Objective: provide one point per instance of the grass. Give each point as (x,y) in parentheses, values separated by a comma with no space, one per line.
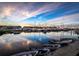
(5,31)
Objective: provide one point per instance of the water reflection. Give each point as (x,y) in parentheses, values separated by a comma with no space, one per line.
(16,41)
(36,36)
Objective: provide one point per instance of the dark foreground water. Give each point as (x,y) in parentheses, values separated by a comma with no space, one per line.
(12,43)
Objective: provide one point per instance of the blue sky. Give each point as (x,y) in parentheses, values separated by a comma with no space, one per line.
(63,10)
(32,13)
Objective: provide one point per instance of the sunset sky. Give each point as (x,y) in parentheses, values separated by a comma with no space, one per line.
(38,13)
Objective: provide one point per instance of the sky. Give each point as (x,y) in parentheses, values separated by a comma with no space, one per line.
(39,13)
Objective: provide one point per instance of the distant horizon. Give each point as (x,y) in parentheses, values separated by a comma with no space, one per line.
(41,26)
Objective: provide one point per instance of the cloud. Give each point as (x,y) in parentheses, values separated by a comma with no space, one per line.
(16,13)
(68,19)
(7,11)
(46,8)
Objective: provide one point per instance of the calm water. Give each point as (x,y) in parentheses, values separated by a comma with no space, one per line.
(11,43)
(38,37)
